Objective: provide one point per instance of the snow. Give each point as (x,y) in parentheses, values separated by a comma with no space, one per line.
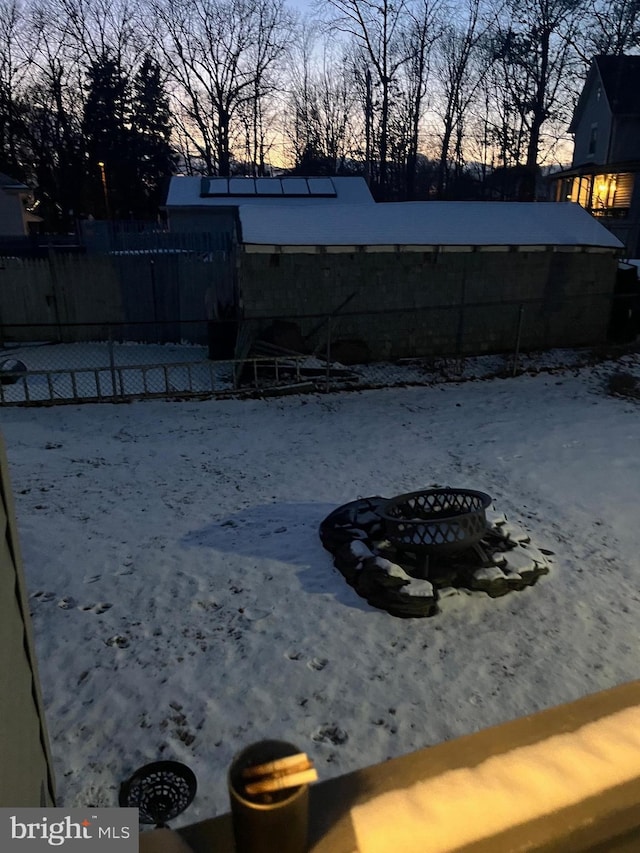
(184,607)
(447,223)
(521,561)
(488,573)
(359,549)
(417,589)
(504,791)
(139,369)
(391,569)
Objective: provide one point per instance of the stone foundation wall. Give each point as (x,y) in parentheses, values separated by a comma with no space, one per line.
(427,303)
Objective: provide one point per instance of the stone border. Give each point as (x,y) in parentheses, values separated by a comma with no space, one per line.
(388,579)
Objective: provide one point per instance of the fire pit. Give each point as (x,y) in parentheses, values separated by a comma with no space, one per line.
(408,554)
(436,521)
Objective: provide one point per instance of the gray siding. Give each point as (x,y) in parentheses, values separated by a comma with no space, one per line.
(625,139)
(627,229)
(596,112)
(12,223)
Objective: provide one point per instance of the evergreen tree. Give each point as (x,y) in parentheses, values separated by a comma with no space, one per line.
(151,126)
(108,139)
(127,126)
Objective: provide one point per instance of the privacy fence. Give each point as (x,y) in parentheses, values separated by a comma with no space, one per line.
(154,285)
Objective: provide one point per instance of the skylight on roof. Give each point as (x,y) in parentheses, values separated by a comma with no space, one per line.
(293,187)
(268,186)
(242,186)
(321,186)
(217,186)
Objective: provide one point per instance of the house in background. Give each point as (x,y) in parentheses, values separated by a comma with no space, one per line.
(14,217)
(604,174)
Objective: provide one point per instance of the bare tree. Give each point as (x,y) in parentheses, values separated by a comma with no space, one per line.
(220,55)
(14,67)
(91,29)
(376,26)
(461,69)
(424,27)
(535,44)
(608,27)
(322,102)
(56,98)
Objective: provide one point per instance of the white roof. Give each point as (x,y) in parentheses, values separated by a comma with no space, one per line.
(440,223)
(231,192)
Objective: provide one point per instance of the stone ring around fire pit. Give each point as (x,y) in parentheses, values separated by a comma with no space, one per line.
(407,554)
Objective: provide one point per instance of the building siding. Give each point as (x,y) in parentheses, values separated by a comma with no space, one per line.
(12,219)
(416,304)
(596,112)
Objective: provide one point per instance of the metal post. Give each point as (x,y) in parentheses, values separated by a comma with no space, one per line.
(328,352)
(154,296)
(112,364)
(460,332)
(518,336)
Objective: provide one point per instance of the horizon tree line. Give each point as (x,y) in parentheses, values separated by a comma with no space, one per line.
(100,102)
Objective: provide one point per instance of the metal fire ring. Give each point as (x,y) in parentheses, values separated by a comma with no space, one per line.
(436,520)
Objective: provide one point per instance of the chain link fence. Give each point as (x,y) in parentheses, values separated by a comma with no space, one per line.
(61,363)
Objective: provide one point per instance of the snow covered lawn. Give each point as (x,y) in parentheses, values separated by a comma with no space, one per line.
(184,607)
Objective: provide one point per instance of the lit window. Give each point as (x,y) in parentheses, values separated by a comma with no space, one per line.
(611,195)
(581,189)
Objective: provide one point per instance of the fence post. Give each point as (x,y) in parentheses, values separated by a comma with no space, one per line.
(460,330)
(55,289)
(154,297)
(112,364)
(516,353)
(328,354)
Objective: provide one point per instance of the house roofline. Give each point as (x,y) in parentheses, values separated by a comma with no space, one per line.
(597,169)
(582,99)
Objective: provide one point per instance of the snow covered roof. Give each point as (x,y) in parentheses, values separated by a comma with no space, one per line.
(425,224)
(293,190)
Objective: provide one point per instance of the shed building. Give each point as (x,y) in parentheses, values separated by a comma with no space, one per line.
(426,278)
(211,204)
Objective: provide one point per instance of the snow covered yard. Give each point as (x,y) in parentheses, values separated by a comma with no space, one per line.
(184,607)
